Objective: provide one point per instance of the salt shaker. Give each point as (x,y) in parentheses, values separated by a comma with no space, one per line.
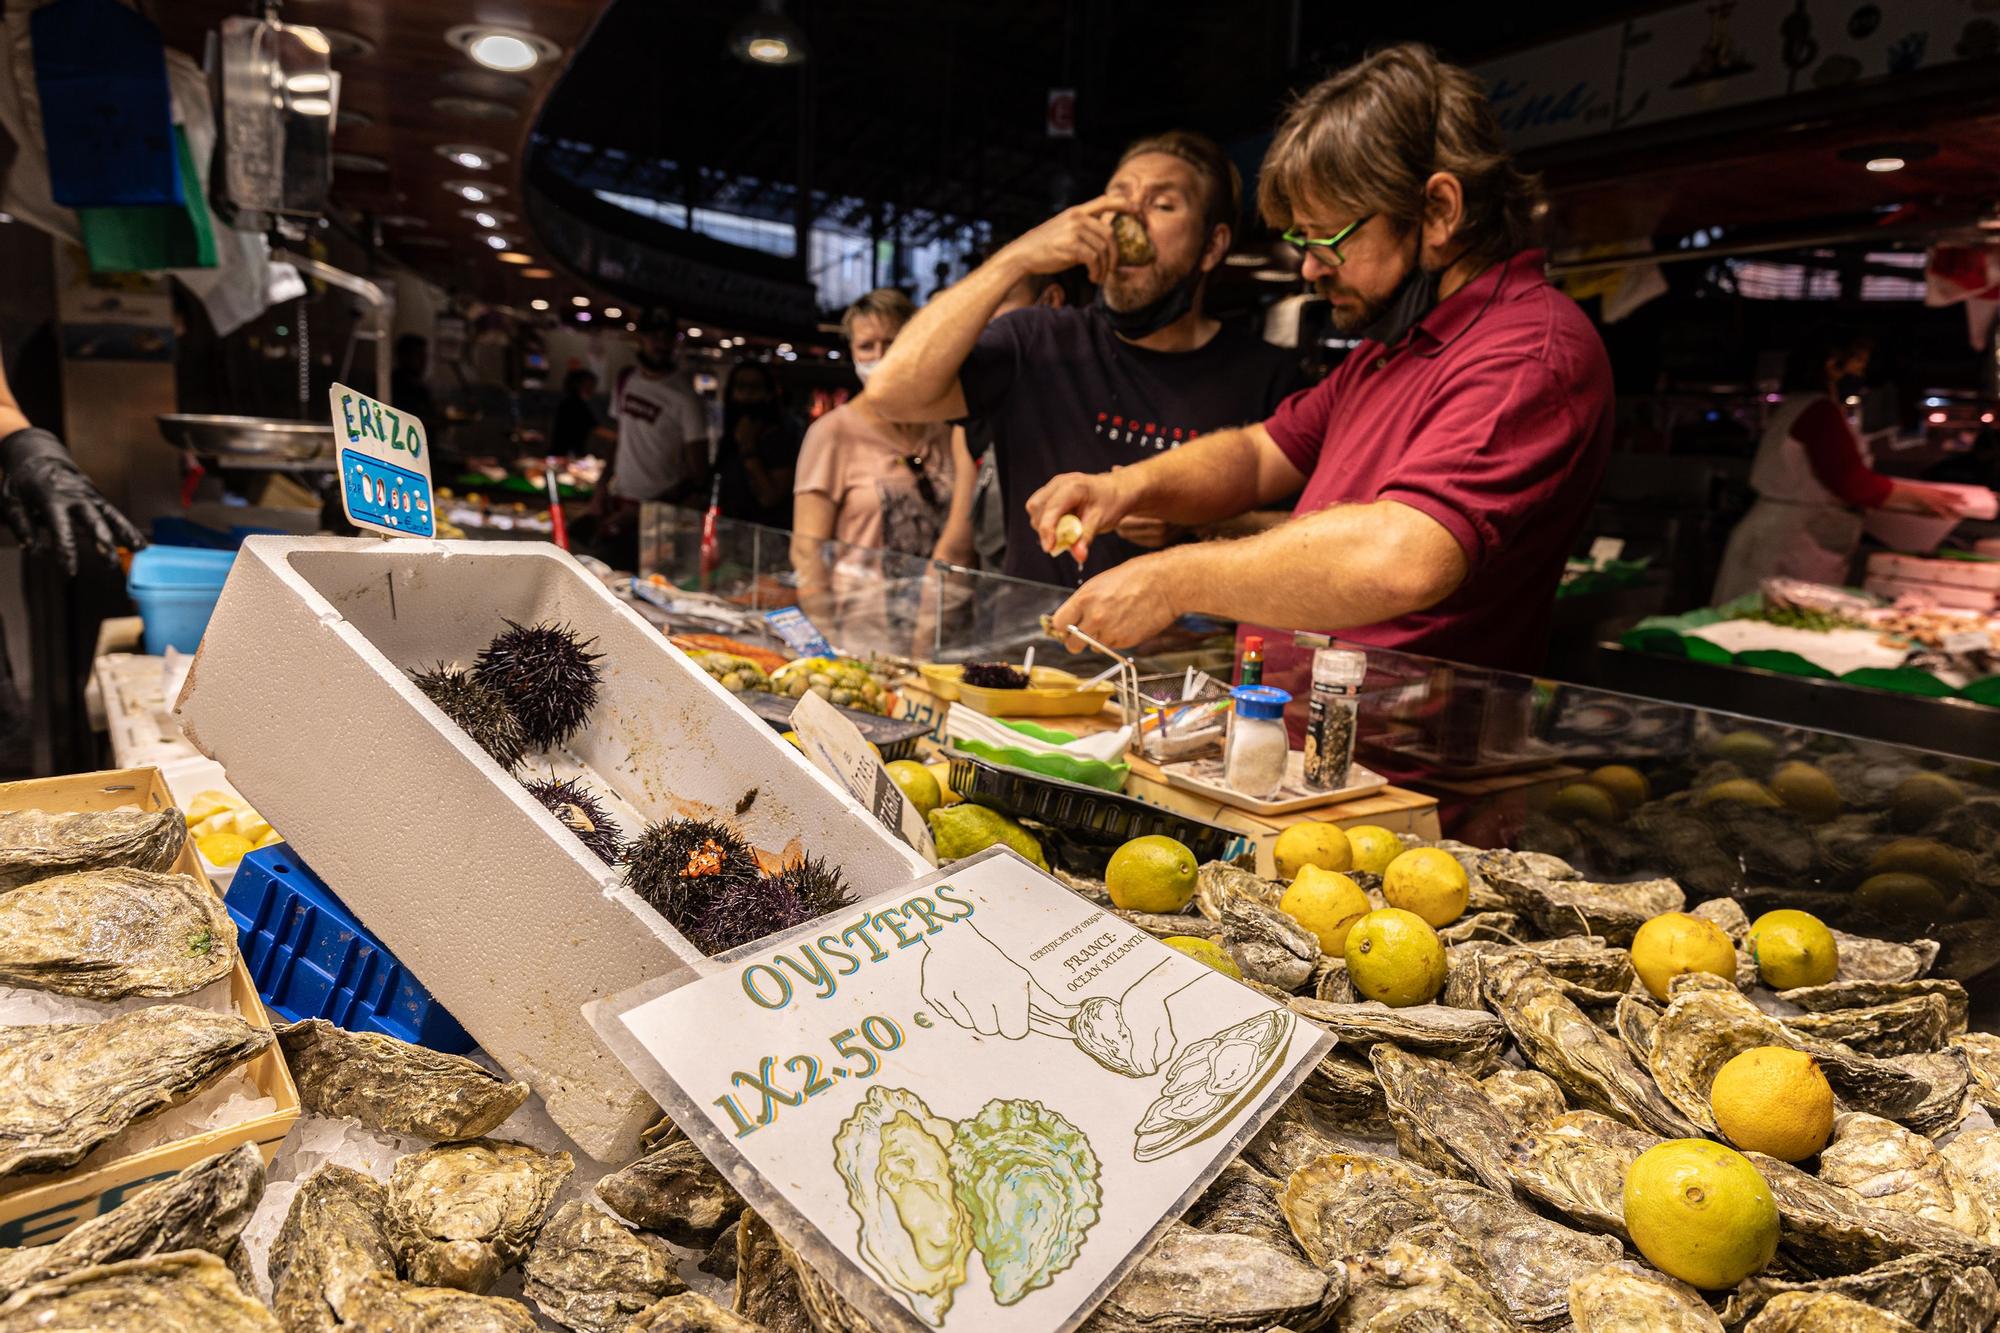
(1336,692)
(1254,763)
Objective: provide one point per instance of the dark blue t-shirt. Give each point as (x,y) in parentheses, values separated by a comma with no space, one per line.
(1058,392)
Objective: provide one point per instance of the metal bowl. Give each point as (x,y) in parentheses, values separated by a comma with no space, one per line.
(262,439)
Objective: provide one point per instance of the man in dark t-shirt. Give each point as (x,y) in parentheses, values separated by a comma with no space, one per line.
(1092,388)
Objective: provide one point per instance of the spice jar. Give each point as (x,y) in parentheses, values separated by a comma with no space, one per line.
(1254,763)
(1336,694)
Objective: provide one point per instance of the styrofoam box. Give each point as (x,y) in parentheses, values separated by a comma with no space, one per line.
(300,690)
(1981,574)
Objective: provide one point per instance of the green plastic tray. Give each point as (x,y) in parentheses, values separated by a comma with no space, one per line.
(1064,768)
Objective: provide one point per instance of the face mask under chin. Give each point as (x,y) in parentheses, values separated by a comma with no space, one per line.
(863,369)
(1145,320)
(1414,297)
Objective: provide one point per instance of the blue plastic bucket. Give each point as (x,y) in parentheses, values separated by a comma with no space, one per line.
(176,588)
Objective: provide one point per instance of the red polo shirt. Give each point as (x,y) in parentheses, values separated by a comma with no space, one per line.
(1493,416)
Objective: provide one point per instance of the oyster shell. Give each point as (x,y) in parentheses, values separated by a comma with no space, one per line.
(461,1214)
(1689,982)
(1975,1156)
(1484,927)
(588,1273)
(1469,1038)
(675,1191)
(1982,1054)
(394,1086)
(721,1257)
(67,1087)
(1342,1205)
(1820,1311)
(106,934)
(1830,1230)
(1220,886)
(1243,1201)
(1268,945)
(1577,1167)
(1702,1031)
(1443,1118)
(1590,1065)
(1865,958)
(1901,1027)
(1724,912)
(1028,1178)
(1463,986)
(332,1241)
(35,844)
(1330,981)
(1894,1168)
(204,1207)
(1411,1287)
(1295,1135)
(1527,1097)
(187,1291)
(1632,1298)
(1161,926)
(767,1287)
(383,1305)
(1579,907)
(1135,248)
(1193,1280)
(1840,995)
(690,1312)
(914,1230)
(1585,961)
(1634,1021)
(829,1310)
(1530,1260)
(1909,1287)
(1951,1090)
(1969,1304)
(1346,1090)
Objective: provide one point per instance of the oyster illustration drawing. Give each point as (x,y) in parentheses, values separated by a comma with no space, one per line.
(1101,1034)
(1471,1038)
(1194,1280)
(1818,1311)
(1242,1201)
(915,1233)
(36,845)
(106,934)
(1414,1286)
(333,1239)
(204,1207)
(1210,1080)
(1135,247)
(1908,1026)
(394,1086)
(1527,1097)
(1344,1205)
(461,1214)
(1838,995)
(1443,1118)
(1632,1298)
(187,1291)
(1592,1066)
(67,1087)
(675,1191)
(384,1305)
(590,1274)
(1896,1169)
(1028,1178)
(1827,1229)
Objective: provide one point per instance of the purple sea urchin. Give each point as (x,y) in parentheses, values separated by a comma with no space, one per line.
(546,676)
(995,676)
(819,887)
(577,806)
(680,867)
(478,711)
(738,916)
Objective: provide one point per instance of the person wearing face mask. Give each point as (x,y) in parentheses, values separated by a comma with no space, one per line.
(989,506)
(1813,481)
(1130,377)
(1447,466)
(662,448)
(759,447)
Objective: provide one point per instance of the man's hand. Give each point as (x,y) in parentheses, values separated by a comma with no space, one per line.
(1097,500)
(1079,235)
(51,505)
(1123,606)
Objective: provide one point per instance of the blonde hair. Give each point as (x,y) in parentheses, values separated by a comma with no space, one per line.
(888,304)
(1368,138)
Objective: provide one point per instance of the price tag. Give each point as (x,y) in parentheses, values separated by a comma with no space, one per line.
(385,466)
(837,747)
(1603,550)
(971,1103)
(800,635)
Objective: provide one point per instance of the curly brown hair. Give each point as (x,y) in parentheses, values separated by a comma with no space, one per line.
(1367,139)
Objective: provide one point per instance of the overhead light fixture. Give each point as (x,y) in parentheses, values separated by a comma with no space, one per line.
(499,242)
(579,300)
(694,333)
(1247,260)
(1275,275)
(539,304)
(312,106)
(613,312)
(316,81)
(471,156)
(833,354)
(1886,164)
(509,50)
(514,257)
(630,327)
(311,38)
(1888,155)
(475,192)
(583,317)
(538,273)
(768,37)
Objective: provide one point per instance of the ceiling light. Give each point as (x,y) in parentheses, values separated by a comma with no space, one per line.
(515,257)
(539,304)
(1891,155)
(833,354)
(784,347)
(317,81)
(475,192)
(613,312)
(489,218)
(538,273)
(694,333)
(1986,418)
(579,300)
(311,38)
(471,156)
(1275,275)
(1937,418)
(1886,164)
(509,50)
(486,219)
(1250,260)
(768,37)
(312,106)
(630,327)
(497,241)
(583,317)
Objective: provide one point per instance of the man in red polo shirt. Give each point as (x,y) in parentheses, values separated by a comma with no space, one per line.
(1446,467)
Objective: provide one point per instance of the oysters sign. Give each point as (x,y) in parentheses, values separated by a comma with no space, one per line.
(385,466)
(969,1104)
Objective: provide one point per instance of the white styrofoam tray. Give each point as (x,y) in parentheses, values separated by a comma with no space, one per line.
(301,692)
(1204,777)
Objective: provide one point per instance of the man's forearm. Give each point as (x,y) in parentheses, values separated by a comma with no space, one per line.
(1206,480)
(921,368)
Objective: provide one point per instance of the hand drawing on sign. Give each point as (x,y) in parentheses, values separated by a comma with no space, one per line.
(1018,1182)
(970,981)
(1210,1081)
(1134,1034)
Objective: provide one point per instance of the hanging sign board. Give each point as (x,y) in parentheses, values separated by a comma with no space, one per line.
(385,466)
(970,1104)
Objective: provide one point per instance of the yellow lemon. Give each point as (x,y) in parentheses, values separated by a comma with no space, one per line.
(1749,751)
(1373,847)
(1151,874)
(1395,957)
(1069,531)
(224,849)
(1899,894)
(1327,903)
(1205,951)
(1921,798)
(1947,867)
(1675,942)
(1428,881)
(1742,790)
(919,788)
(1775,1100)
(1793,948)
(1311,844)
(1585,800)
(1627,785)
(942,773)
(1806,791)
(1700,1212)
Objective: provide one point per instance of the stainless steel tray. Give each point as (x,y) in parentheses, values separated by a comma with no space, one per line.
(251,441)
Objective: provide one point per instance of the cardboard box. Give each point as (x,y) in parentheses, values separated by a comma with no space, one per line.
(43,1213)
(301,692)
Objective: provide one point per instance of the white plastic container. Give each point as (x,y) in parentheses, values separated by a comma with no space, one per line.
(1255,758)
(1921,533)
(300,691)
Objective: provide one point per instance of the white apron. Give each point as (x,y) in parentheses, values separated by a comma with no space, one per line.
(1798,529)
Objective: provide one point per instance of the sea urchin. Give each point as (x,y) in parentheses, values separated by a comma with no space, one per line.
(679,866)
(546,677)
(479,712)
(582,813)
(994,676)
(819,887)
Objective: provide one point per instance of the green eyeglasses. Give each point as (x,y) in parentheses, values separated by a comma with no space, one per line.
(1330,246)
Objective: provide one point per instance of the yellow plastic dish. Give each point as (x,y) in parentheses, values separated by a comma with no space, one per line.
(1051,692)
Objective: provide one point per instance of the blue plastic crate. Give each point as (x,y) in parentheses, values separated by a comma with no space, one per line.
(311,958)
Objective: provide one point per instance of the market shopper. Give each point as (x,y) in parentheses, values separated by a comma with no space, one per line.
(1446,467)
(1812,480)
(759,449)
(1128,378)
(662,447)
(573,432)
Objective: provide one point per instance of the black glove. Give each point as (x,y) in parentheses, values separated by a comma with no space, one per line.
(51,505)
